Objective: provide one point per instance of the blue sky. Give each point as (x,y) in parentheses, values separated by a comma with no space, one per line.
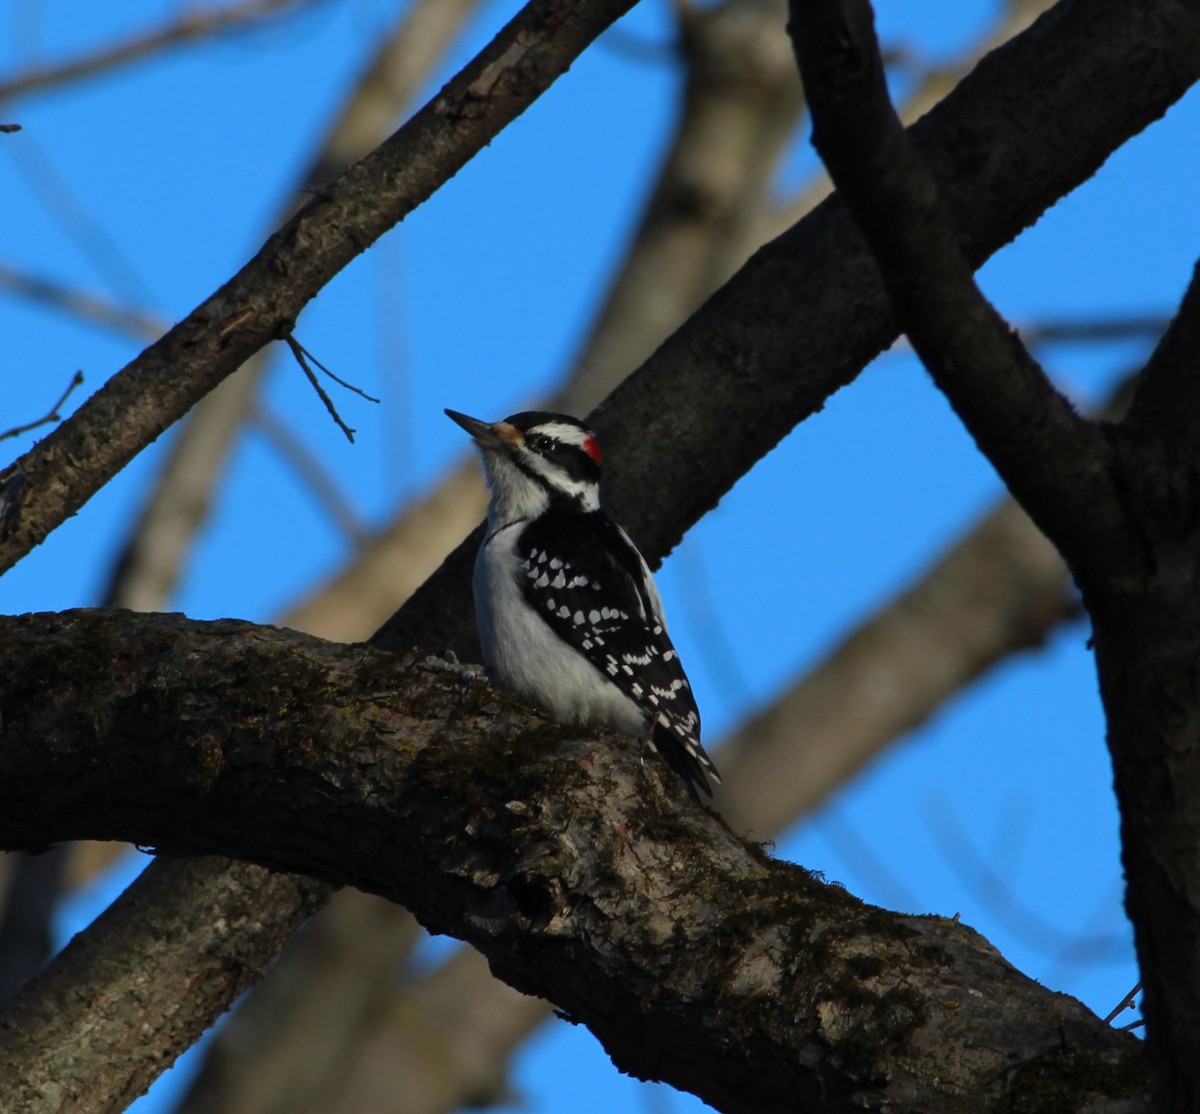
(480,298)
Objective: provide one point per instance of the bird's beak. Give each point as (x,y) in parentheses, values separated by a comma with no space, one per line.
(488,435)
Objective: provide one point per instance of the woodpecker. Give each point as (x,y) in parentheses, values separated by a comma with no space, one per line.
(568,613)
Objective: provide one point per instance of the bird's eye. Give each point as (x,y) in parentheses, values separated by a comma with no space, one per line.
(540,443)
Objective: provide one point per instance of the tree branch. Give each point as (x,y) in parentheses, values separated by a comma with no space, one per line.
(338,967)
(261,302)
(114,1010)
(1054,461)
(931,86)
(52,416)
(577,866)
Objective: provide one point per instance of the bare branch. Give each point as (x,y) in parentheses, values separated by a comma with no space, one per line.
(1095,330)
(52,416)
(73,211)
(931,86)
(999,589)
(582,872)
(336,968)
(1051,459)
(34,885)
(1126,1003)
(302,357)
(263,300)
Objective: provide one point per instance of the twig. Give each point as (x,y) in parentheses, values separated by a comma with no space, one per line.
(10,128)
(1145,326)
(52,416)
(1125,1003)
(73,213)
(299,352)
(341,382)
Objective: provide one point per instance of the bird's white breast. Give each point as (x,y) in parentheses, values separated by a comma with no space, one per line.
(524,655)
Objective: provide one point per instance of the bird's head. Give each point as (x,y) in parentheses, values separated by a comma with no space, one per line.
(535,461)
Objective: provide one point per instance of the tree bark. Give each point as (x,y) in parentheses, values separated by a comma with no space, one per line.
(578,866)
(76,1038)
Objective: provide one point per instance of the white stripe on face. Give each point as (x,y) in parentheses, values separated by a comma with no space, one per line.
(565,432)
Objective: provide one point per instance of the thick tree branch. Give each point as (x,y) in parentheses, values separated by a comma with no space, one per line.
(1000,589)
(1054,461)
(1122,507)
(1148,660)
(577,866)
(261,302)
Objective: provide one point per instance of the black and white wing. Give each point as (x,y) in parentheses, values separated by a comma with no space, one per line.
(587,580)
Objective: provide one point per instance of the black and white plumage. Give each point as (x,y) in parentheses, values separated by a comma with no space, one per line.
(568,613)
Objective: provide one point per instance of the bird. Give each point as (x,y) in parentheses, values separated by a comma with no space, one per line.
(568,614)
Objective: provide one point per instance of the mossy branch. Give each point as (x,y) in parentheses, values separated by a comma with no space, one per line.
(576,865)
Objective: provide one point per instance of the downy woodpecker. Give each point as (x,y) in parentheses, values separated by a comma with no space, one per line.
(568,613)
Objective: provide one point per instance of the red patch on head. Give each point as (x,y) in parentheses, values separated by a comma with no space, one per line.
(592,447)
